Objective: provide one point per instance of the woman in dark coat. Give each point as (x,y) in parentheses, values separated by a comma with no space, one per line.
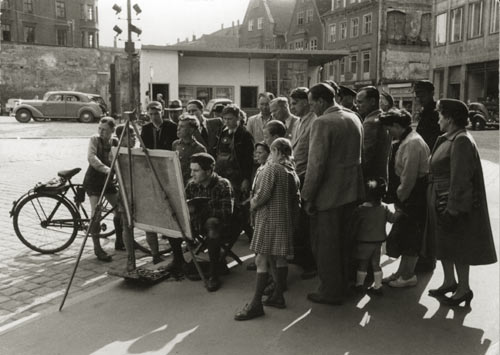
(458,220)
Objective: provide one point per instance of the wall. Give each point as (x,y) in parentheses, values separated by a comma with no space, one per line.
(400,64)
(308,30)
(222,71)
(256,38)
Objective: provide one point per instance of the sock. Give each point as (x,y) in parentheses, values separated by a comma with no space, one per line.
(360,278)
(377,276)
(260,285)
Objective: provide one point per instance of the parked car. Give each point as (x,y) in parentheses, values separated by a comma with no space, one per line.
(10,105)
(60,105)
(214,107)
(480,117)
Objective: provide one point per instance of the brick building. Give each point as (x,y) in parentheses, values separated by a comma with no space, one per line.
(464,60)
(388,43)
(266,23)
(65,23)
(306,29)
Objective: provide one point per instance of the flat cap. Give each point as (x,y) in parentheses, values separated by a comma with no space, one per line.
(154,105)
(345,91)
(423,85)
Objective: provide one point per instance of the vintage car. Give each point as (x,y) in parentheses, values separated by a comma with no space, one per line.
(59,105)
(214,107)
(481,116)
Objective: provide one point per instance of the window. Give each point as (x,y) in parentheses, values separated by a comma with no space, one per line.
(366,62)
(300,18)
(91,40)
(55,97)
(367,24)
(60,9)
(342,66)
(299,44)
(338,4)
(309,15)
(260,22)
(29,34)
(354,27)
(343,30)
(250,25)
(5,4)
(90,12)
(456,25)
(82,12)
(475,19)
(62,37)
(205,93)
(441,29)
(6,32)
(28,6)
(354,63)
(313,44)
(494,17)
(290,45)
(332,33)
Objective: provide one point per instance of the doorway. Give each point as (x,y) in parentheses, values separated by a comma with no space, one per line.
(161,89)
(248,97)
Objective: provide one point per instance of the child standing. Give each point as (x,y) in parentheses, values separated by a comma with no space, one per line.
(368,227)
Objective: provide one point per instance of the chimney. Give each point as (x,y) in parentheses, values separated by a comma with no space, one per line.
(178,40)
(238,22)
(233,24)
(194,38)
(187,39)
(221,26)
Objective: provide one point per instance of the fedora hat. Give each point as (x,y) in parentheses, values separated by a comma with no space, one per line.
(175,105)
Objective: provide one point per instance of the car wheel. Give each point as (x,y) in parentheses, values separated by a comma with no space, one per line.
(86,117)
(481,124)
(23,116)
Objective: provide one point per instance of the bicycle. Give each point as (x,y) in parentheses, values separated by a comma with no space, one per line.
(47,221)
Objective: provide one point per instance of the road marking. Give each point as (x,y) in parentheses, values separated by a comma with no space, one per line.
(297,320)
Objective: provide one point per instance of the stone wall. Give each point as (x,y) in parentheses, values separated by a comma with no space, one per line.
(32,70)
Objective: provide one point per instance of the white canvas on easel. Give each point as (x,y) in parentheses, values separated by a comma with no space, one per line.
(153,212)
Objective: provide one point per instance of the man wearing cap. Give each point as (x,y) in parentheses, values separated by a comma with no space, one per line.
(213,219)
(256,123)
(376,140)
(332,186)
(159,133)
(210,128)
(174,110)
(347,98)
(281,111)
(299,105)
(428,117)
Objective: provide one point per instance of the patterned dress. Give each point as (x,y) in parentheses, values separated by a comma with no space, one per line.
(277,201)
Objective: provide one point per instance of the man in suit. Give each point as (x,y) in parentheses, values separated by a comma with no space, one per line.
(299,105)
(174,110)
(210,128)
(376,141)
(281,111)
(159,133)
(428,117)
(332,187)
(256,123)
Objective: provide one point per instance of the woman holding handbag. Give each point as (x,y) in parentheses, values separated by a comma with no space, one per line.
(458,221)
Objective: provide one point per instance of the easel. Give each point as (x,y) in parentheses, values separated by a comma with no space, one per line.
(129,209)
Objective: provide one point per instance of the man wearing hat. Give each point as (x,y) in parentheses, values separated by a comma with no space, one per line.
(347,97)
(213,219)
(174,110)
(428,117)
(299,105)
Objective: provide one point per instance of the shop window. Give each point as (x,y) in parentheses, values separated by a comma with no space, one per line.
(300,18)
(29,34)
(354,27)
(494,17)
(475,19)
(28,6)
(260,22)
(250,25)
(204,93)
(62,37)
(60,9)
(343,30)
(332,33)
(309,15)
(367,24)
(441,29)
(6,33)
(456,24)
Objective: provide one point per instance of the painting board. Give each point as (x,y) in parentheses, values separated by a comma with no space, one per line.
(152,211)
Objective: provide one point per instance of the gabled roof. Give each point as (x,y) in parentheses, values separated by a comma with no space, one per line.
(223,38)
(280,12)
(323,6)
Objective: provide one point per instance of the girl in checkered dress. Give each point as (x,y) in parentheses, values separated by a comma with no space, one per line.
(276,205)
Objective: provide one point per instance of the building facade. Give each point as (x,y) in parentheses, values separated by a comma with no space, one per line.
(464,61)
(306,28)
(266,23)
(388,43)
(65,23)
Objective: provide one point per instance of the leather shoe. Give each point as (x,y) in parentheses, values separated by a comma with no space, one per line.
(104,257)
(442,291)
(375,291)
(213,284)
(275,302)
(316,298)
(249,312)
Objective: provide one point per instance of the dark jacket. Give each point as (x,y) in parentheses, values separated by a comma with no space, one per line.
(167,135)
(214,128)
(428,126)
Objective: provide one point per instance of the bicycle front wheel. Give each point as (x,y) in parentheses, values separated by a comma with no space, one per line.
(46,223)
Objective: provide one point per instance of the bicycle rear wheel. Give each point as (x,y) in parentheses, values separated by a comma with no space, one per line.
(46,223)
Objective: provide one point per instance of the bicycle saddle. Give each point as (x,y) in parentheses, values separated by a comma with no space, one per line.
(68,174)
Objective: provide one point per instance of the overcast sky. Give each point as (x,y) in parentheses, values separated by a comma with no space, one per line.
(163,21)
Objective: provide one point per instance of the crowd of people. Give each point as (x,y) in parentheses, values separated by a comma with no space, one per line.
(309,180)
